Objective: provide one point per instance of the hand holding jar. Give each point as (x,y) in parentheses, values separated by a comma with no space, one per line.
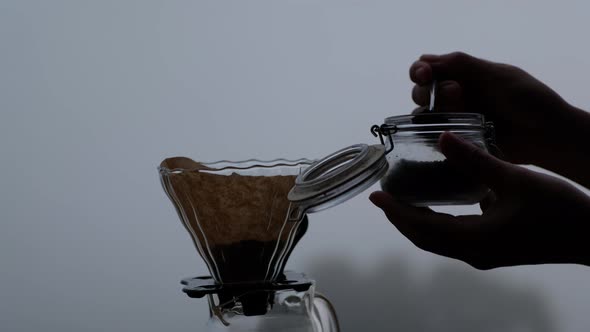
(528,217)
(533,124)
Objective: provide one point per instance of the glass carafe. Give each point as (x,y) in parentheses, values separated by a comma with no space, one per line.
(298,310)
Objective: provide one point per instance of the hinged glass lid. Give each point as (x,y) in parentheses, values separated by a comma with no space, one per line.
(337,178)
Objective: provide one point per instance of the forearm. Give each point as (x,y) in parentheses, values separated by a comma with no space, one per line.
(568,150)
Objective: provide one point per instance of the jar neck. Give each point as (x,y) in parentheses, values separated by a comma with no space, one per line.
(436,121)
(431,137)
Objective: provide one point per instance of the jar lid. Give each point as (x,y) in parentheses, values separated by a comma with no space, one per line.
(337,178)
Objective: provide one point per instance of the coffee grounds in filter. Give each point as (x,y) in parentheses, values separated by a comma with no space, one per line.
(239,222)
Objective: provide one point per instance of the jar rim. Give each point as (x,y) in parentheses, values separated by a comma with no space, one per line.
(435,119)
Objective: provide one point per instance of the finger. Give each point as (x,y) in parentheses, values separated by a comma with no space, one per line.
(421,95)
(457,66)
(448,96)
(420,110)
(421,73)
(475,162)
(488,201)
(439,233)
(429,57)
(445,109)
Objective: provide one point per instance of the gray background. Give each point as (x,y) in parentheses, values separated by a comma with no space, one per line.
(94,94)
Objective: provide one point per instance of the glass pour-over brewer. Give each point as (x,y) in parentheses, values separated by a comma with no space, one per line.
(237,215)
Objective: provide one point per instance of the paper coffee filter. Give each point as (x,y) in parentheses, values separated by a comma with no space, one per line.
(238,223)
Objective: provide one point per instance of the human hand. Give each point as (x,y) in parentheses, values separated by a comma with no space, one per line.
(534,125)
(528,218)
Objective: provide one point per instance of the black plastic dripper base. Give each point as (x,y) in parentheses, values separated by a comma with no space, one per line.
(255,298)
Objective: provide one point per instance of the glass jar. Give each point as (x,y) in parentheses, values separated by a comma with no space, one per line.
(408,163)
(418,172)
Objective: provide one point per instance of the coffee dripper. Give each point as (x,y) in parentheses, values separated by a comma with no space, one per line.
(237,214)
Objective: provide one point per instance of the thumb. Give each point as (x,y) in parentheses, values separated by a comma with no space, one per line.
(474,161)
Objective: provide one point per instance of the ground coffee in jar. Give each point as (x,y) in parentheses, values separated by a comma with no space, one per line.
(423,182)
(419,173)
